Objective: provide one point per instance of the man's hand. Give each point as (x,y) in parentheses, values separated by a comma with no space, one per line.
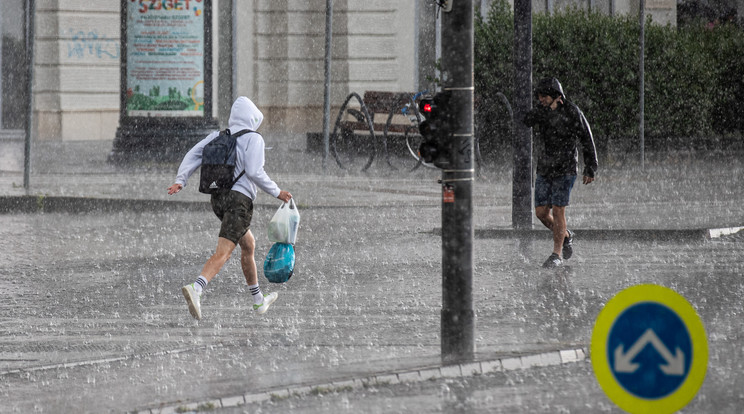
(174,189)
(588,179)
(284,196)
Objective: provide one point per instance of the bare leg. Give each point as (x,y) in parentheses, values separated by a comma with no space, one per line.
(218,259)
(559,228)
(247,259)
(545,216)
(555,219)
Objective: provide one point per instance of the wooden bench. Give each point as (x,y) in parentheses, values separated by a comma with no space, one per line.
(379,105)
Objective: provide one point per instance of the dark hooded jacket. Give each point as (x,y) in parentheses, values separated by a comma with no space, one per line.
(559,132)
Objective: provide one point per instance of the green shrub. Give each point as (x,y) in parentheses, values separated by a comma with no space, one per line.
(693,77)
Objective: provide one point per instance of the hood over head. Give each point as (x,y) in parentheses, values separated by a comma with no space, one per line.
(549,87)
(244,114)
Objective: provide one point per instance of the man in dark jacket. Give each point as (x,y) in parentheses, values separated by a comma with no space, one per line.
(560,127)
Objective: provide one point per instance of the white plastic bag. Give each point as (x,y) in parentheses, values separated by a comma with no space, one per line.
(283,226)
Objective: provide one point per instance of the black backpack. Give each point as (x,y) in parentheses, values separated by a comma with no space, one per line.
(218,163)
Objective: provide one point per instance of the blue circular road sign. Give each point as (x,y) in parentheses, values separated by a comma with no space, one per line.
(649,350)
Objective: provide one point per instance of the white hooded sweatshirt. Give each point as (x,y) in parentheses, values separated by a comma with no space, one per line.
(250,152)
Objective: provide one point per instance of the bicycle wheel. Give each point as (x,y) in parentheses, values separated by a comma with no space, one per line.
(413,143)
(396,153)
(353,151)
(401,147)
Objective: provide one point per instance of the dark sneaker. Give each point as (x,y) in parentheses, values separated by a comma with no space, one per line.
(568,245)
(553,261)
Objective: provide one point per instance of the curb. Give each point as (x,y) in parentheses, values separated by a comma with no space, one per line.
(465,370)
(55,204)
(600,234)
(26,204)
(609,234)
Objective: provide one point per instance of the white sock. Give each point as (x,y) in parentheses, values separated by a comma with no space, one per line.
(200,285)
(256,293)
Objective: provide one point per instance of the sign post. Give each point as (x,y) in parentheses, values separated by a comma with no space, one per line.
(166,79)
(30,19)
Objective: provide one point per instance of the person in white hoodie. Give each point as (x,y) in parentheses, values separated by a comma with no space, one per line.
(234,208)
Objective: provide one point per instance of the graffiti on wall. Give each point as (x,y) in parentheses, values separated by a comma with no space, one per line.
(84,44)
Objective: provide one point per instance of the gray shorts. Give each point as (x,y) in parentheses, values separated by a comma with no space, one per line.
(235,210)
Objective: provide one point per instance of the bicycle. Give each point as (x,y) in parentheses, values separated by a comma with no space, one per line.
(411,136)
(351,150)
(347,149)
(499,125)
(414,140)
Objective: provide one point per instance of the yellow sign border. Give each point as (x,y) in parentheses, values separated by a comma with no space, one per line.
(600,363)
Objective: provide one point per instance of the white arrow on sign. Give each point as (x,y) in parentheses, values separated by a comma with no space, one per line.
(675,363)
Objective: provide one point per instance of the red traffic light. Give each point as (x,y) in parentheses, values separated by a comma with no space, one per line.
(427,106)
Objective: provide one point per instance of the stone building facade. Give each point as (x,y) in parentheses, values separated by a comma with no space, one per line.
(278,58)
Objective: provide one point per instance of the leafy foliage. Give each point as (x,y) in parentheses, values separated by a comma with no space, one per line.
(693,76)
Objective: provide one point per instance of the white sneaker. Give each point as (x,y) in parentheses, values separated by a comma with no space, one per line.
(268,300)
(192,298)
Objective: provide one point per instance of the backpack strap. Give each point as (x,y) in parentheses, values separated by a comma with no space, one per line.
(238,177)
(239,133)
(236,135)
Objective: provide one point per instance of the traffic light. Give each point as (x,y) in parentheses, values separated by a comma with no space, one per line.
(436,129)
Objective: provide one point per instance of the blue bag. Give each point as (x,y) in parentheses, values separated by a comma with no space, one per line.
(279,263)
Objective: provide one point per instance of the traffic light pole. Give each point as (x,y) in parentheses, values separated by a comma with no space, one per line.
(458,317)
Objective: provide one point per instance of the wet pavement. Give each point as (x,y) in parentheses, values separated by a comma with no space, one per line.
(93,257)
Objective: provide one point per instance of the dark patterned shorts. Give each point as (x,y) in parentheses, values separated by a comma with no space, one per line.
(235,210)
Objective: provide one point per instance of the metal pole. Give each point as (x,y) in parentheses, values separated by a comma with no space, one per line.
(426,50)
(30,10)
(234,51)
(327,84)
(522,140)
(1,73)
(458,317)
(417,42)
(641,80)
(225,65)
(437,48)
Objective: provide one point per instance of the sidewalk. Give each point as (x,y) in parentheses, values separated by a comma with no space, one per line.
(95,321)
(678,192)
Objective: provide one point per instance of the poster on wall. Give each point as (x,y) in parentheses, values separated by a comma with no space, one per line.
(165,58)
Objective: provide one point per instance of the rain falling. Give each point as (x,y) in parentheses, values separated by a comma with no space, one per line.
(94,252)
